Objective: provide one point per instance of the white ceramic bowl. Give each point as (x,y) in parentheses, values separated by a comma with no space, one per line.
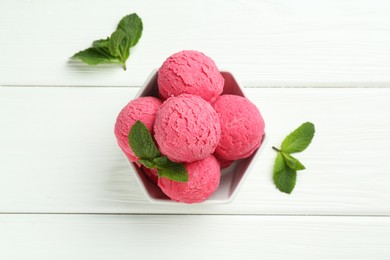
(232,177)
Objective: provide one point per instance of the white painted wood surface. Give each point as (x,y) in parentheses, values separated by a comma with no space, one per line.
(41,237)
(59,148)
(290,43)
(66,191)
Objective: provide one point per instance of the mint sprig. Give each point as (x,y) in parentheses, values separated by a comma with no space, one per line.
(284,176)
(286,166)
(116,48)
(143,146)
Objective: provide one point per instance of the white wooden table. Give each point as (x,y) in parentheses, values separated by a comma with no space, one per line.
(66,191)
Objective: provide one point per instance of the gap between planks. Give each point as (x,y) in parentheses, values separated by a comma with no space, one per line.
(193,214)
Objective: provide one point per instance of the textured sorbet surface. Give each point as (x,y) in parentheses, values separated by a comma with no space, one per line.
(143,109)
(203,180)
(187,128)
(190,72)
(242,127)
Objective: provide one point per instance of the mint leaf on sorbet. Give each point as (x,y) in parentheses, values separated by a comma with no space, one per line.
(141,142)
(172,170)
(116,48)
(286,166)
(143,146)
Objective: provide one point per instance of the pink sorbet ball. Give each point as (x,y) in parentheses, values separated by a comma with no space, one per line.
(187,128)
(203,181)
(143,109)
(190,72)
(222,162)
(242,127)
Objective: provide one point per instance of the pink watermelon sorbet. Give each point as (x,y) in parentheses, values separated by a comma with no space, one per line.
(143,109)
(242,127)
(187,128)
(190,72)
(203,180)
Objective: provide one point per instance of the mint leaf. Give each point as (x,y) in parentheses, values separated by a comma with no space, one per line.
(141,142)
(292,162)
(128,33)
(299,139)
(284,177)
(286,166)
(114,49)
(161,161)
(95,55)
(115,42)
(132,25)
(143,146)
(119,46)
(103,43)
(147,163)
(173,171)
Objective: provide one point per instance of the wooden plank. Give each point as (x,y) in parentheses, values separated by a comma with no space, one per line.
(264,43)
(58,153)
(195,237)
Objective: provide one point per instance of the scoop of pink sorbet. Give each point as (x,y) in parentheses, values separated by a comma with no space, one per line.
(203,181)
(222,162)
(190,72)
(242,127)
(143,109)
(187,128)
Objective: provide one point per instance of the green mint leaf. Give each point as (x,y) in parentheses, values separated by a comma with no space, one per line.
(161,161)
(141,142)
(132,25)
(143,146)
(94,56)
(147,163)
(299,139)
(115,42)
(114,49)
(125,51)
(284,177)
(171,170)
(292,162)
(119,46)
(103,43)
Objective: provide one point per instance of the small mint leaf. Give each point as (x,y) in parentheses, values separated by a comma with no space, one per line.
(284,177)
(299,139)
(292,162)
(171,170)
(161,161)
(147,163)
(115,42)
(141,142)
(94,56)
(103,43)
(132,25)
